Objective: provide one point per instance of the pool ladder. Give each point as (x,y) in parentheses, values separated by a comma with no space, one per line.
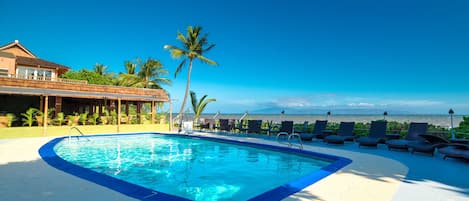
(289,138)
(79,131)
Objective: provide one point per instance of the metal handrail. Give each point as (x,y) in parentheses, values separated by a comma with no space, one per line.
(79,131)
(289,137)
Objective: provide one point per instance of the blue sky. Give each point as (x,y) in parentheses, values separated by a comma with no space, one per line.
(377,55)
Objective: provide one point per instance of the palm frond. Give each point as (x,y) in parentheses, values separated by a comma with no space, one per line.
(206,60)
(194,101)
(181,38)
(179,68)
(209,47)
(204,104)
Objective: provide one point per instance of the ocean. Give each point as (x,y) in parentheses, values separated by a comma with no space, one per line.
(438,120)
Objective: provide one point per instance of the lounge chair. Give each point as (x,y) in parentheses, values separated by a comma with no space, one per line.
(428,144)
(207,124)
(225,125)
(254,126)
(415,129)
(287,127)
(345,134)
(319,126)
(455,150)
(376,135)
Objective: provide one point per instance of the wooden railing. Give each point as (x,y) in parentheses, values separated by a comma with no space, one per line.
(39,77)
(72,81)
(82,86)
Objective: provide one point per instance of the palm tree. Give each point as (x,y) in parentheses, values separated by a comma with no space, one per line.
(198,106)
(194,46)
(150,74)
(130,67)
(99,68)
(130,78)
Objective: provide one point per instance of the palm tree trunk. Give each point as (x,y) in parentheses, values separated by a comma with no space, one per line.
(181,111)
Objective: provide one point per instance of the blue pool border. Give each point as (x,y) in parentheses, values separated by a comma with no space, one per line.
(138,192)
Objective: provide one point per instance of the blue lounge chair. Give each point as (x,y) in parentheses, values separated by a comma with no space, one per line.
(319,126)
(454,150)
(415,129)
(376,135)
(345,134)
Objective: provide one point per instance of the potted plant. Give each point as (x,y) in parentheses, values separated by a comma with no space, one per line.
(59,118)
(10,119)
(29,116)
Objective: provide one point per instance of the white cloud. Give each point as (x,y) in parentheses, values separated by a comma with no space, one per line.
(414,103)
(361,104)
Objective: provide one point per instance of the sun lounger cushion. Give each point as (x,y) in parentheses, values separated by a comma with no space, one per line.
(368,141)
(335,139)
(451,151)
(420,146)
(399,144)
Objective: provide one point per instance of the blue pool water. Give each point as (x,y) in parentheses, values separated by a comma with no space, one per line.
(190,168)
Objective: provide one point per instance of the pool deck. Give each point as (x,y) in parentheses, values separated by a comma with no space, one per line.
(374,174)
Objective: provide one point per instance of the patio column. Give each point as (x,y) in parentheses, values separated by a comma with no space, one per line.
(100,109)
(139,107)
(58,105)
(118,114)
(41,103)
(46,105)
(152,112)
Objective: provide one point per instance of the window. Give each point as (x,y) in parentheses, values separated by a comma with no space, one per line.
(33,73)
(3,72)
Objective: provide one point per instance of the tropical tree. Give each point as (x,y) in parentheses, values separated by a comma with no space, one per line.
(130,67)
(149,75)
(198,106)
(90,76)
(194,45)
(129,78)
(99,68)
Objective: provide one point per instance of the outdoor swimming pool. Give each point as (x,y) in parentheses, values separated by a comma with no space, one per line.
(160,167)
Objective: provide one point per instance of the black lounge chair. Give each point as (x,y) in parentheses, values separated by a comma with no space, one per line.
(225,125)
(319,126)
(376,135)
(287,127)
(460,151)
(207,124)
(413,136)
(428,145)
(254,126)
(345,133)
